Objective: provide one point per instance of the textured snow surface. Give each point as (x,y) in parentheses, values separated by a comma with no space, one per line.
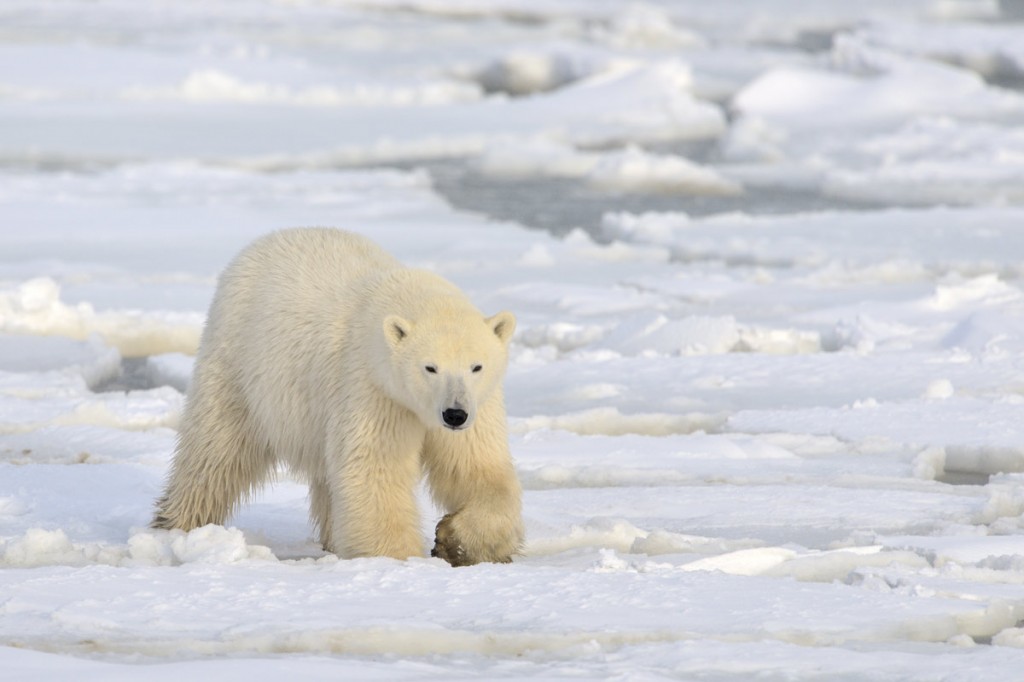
(766,393)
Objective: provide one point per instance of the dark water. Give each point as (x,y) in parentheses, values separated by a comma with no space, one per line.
(561,205)
(134,376)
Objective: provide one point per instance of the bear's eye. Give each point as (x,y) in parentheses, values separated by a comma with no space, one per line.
(431,369)
(477,368)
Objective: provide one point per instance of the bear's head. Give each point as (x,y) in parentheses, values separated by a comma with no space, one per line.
(445,364)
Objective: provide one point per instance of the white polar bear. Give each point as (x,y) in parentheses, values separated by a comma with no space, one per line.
(323,351)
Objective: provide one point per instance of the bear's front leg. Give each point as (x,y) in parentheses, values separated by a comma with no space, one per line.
(472,478)
(373,510)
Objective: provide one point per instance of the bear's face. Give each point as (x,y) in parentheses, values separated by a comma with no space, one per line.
(444,368)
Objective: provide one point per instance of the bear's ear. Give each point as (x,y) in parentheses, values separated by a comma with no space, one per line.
(396,329)
(502,324)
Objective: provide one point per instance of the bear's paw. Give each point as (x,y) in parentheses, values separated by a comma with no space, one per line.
(449,545)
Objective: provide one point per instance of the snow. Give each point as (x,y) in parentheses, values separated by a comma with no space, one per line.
(768,424)
(990,49)
(627,170)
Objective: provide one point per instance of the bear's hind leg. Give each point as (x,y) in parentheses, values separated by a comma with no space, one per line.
(218,460)
(320,510)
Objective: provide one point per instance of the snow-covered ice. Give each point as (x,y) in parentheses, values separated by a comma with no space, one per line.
(766,394)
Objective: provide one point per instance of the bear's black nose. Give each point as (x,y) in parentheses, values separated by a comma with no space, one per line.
(454,417)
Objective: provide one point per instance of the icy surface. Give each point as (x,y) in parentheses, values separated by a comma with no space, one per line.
(766,394)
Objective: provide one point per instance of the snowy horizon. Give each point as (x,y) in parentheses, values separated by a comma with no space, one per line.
(766,392)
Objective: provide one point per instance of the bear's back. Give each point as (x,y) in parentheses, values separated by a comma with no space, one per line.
(297,274)
(312,256)
(283,309)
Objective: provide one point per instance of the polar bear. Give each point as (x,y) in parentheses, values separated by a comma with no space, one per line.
(324,352)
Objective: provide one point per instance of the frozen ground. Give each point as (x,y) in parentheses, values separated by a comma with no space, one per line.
(767,390)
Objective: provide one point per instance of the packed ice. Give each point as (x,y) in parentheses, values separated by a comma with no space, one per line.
(766,393)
